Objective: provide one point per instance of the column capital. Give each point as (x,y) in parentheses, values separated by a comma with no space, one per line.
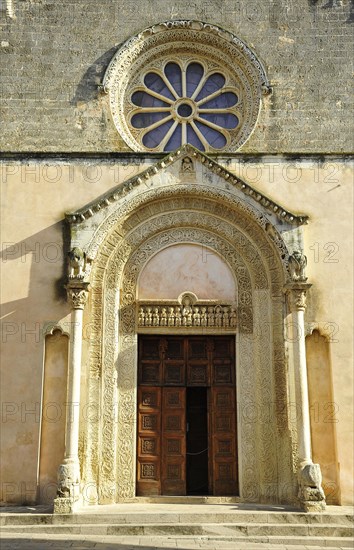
(77,293)
(296,293)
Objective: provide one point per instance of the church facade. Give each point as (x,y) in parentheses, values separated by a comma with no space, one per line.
(177,274)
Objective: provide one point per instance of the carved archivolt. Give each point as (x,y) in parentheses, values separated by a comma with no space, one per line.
(122,246)
(184,43)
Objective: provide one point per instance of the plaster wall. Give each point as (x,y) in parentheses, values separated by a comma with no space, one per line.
(34,242)
(186,267)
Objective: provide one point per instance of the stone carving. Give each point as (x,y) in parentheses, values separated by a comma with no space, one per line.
(187,166)
(77,296)
(184,40)
(78,263)
(141,180)
(125,248)
(218,316)
(297,295)
(311,494)
(297,265)
(68,479)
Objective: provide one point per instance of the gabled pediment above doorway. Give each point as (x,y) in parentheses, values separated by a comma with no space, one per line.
(186,165)
(192,177)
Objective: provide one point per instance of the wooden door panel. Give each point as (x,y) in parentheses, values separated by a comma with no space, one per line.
(198,362)
(223,441)
(173,456)
(174,363)
(149,441)
(167,365)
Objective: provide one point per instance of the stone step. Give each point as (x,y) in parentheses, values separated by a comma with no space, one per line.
(191,529)
(177,518)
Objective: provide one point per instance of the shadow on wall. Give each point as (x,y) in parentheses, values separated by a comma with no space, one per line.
(88,87)
(46,250)
(34,269)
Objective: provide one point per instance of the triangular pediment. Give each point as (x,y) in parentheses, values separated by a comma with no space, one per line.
(174,169)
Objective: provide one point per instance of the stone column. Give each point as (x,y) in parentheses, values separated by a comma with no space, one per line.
(311,494)
(68,494)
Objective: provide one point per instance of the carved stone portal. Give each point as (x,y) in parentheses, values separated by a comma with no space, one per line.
(123,235)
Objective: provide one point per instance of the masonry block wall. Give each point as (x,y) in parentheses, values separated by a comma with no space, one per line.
(54,55)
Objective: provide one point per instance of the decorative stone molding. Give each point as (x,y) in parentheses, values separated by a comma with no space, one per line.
(145,177)
(121,235)
(185,41)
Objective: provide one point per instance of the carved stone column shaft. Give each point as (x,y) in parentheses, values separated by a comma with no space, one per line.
(297,302)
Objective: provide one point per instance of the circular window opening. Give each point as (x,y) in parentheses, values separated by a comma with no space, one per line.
(184,110)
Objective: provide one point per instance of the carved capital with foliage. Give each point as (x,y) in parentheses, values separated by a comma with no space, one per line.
(77,294)
(296,293)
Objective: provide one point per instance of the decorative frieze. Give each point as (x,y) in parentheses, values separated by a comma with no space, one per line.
(186,316)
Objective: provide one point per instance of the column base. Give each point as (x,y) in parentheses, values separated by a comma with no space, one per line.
(311,495)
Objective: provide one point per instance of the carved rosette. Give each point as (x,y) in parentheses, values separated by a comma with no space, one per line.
(77,294)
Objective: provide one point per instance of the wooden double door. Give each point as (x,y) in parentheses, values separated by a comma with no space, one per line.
(186,416)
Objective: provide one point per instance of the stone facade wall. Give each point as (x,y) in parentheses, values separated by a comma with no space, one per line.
(38,193)
(54,55)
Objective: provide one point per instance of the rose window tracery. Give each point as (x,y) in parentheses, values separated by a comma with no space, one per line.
(184,104)
(185,81)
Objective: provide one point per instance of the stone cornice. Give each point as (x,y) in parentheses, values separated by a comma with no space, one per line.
(124,188)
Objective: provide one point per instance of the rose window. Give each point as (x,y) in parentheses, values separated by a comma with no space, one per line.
(179,105)
(183,81)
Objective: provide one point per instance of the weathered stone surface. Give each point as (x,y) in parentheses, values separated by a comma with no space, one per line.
(50,74)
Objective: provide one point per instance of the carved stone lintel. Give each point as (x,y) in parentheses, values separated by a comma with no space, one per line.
(189,315)
(77,293)
(296,293)
(311,495)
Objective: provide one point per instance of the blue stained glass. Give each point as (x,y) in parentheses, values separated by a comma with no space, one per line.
(143,120)
(174,76)
(193,139)
(213,137)
(225,120)
(155,83)
(222,101)
(176,104)
(213,83)
(175,140)
(195,72)
(143,99)
(153,138)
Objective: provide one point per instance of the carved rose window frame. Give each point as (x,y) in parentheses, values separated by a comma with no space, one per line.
(184,43)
